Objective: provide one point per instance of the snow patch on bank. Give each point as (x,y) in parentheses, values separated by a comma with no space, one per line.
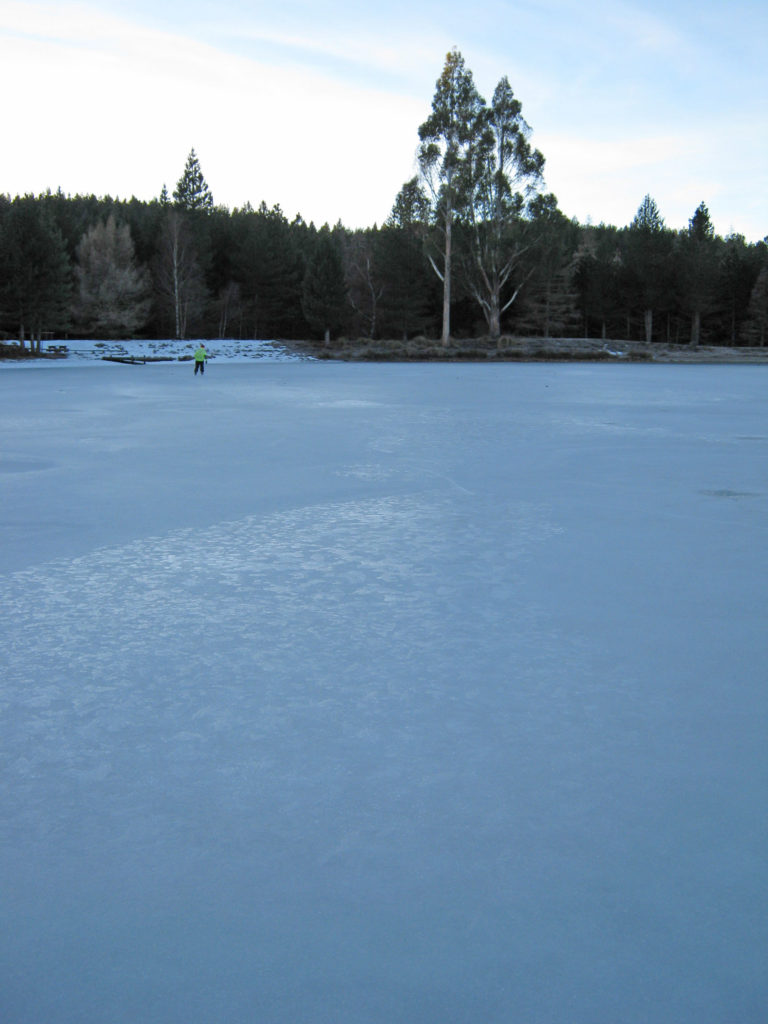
(230,350)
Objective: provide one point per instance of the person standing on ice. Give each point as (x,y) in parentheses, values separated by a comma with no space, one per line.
(200,357)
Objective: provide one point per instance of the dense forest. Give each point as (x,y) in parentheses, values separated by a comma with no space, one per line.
(473,247)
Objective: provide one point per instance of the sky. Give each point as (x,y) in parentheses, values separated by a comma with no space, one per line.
(315,106)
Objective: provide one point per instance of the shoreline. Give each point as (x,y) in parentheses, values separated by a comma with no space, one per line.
(504,350)
(511,349)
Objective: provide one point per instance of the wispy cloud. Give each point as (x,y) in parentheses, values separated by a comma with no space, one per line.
(646,30)
(392,58)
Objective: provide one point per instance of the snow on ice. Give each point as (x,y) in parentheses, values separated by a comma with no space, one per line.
(361,694)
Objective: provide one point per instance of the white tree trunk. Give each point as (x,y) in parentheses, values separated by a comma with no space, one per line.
(447,279)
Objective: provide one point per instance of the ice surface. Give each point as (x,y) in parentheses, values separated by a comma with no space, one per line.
(399,693)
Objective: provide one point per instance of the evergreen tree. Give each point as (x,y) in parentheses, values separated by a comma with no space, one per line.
(185,247)
(408,299)
(145,222)
(550,296)
(324,299)
(73,215)
(596,264)
(35,273)
(697,262)
(112,292)
(737,274)
(192,192)
(648,217)
(222,279)
(756,326)
(270,270)
(647,263)
(411,208)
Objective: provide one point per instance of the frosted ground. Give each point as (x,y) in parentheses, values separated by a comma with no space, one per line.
(374,694)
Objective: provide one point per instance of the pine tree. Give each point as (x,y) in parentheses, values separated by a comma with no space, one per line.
(409,290)
(324,291)
(550,297)
(697,261)
(737,273)
(755,330)
(192,192)
(35,273)
(596,269)
(548,309)
(270,270)
(647,267)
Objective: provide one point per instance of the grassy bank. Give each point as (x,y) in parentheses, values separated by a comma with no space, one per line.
(513,349)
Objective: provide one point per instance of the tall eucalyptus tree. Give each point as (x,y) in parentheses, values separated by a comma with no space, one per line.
(507,172)
(447,139)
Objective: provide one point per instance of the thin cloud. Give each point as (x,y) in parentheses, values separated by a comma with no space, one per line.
(391,57)
(646,30)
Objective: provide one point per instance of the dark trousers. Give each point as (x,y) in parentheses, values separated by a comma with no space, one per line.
(199,365)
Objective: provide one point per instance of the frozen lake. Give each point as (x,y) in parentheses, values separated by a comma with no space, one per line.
(357,694)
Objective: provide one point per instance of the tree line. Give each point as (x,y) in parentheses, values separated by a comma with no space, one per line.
(472,246)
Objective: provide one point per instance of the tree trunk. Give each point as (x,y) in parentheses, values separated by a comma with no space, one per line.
(494,320)
(176,289)
(696,328)
(447,280)
(648,317)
